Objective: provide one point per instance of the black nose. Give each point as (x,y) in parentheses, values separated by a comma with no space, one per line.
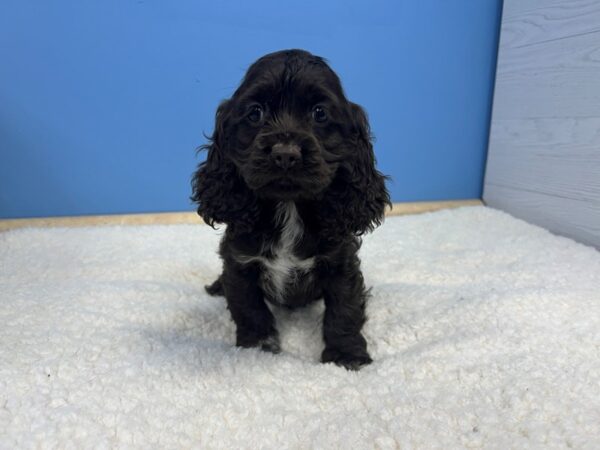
(286,156)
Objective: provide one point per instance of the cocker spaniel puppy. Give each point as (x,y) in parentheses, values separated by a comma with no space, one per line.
(291,172)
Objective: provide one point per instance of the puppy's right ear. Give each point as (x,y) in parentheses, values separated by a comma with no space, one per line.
(219,191)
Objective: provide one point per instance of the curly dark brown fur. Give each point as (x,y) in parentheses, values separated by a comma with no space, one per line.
(291,172)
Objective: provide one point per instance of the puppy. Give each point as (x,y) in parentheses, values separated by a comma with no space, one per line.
(291,171)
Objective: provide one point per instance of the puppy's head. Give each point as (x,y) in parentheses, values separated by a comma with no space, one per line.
(289,133)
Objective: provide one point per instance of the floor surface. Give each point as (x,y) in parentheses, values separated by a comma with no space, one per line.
(485,332)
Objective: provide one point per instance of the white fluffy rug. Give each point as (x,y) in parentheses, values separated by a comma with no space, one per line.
(485,332)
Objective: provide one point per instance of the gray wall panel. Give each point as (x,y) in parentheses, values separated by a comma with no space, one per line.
(544,151)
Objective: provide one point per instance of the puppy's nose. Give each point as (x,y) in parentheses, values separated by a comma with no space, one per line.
(286,156)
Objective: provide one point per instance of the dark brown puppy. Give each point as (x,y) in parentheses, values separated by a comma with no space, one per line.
(291,171)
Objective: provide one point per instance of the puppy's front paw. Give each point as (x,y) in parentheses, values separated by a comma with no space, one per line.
(268,344)
(351,360)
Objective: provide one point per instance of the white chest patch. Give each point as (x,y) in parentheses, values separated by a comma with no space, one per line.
(282,269)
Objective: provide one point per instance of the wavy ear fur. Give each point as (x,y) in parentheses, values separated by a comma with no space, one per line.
(356,200)
(218,189)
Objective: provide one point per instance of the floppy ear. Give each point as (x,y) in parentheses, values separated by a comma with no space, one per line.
(356,200)
(218,189)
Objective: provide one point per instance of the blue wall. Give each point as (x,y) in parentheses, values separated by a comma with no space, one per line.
(102,104)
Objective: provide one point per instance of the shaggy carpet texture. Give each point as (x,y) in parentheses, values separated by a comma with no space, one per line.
(485,332)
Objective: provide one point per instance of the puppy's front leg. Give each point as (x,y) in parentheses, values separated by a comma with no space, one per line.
(255,325)
(345,298)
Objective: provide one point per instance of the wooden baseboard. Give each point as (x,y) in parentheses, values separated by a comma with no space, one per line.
(403,209)
(398,209)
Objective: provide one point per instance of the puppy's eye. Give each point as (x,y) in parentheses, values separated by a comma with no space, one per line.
(255,113)
(319,114)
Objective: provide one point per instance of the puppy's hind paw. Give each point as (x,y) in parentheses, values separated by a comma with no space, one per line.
(216,288)
(270,344)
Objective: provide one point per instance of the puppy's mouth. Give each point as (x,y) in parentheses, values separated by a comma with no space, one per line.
(283,188)
(287,187)
(286,184)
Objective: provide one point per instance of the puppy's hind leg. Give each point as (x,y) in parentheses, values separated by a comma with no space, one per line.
(216,288)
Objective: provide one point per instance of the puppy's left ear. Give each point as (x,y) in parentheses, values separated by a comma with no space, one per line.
(356,201)
(368,194)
